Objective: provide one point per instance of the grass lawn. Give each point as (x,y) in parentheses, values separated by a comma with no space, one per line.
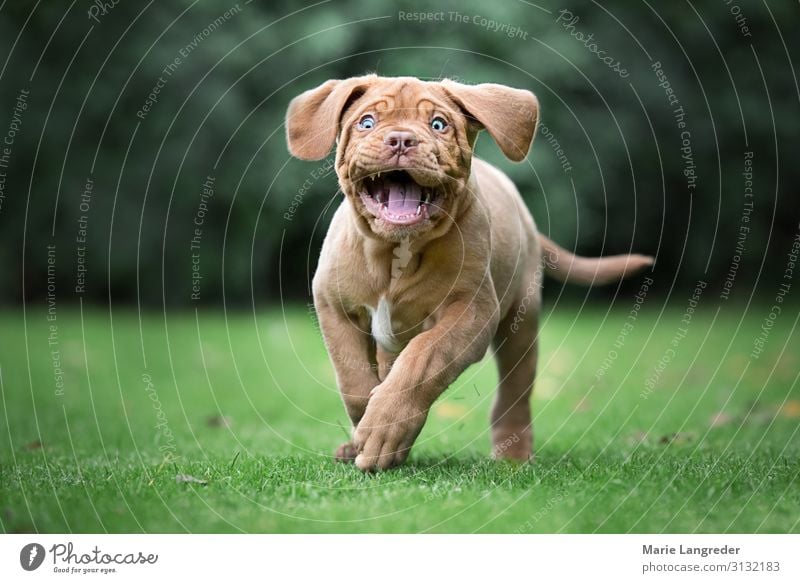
(248,407)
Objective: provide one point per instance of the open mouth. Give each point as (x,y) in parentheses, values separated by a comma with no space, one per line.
(396,198)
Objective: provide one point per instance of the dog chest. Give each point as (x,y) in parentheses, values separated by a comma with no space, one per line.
(382,326)
(393,328)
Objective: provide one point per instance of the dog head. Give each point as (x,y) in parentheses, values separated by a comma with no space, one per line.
(405,145)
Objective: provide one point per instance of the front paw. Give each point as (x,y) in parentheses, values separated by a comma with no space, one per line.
(387,431)
(346,453)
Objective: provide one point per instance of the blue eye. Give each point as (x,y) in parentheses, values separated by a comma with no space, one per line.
(366,123)
(438,124)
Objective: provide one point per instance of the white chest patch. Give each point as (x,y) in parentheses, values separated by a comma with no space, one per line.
(382,330)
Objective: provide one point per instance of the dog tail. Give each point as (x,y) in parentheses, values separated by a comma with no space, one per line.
(571,268)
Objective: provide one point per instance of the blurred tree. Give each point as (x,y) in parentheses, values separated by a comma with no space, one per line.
(220,76)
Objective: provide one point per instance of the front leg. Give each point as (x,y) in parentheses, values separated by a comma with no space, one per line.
(352,355)
(426,367)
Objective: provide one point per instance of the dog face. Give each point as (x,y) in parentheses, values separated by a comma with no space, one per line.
(405,145)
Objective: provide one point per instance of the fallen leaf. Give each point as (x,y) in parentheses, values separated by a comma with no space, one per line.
(33,445)
(761,417)
(218,421)
(448,410)
(637,437)
(761,414)
(676,438)
(188,479)
(790,409)
(720,419)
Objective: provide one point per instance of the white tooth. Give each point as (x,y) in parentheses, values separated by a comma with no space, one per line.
(419,209)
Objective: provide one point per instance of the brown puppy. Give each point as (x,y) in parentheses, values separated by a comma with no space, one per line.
(432,258)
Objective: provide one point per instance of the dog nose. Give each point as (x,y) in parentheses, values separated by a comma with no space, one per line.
(400,142)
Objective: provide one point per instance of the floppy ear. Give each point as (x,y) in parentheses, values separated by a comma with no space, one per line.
(509,115)
(313,117)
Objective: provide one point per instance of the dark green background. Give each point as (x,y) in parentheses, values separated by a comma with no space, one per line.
(222,111)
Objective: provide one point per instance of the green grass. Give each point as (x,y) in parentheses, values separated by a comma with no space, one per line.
(608,458)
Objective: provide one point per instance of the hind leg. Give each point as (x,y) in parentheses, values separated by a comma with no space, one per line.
(516,351)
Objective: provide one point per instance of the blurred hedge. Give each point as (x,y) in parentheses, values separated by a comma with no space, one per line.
(220,111)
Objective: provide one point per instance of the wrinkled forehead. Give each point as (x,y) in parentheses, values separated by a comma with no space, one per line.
(405,97)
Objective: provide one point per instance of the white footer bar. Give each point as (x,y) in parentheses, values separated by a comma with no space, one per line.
(401,558)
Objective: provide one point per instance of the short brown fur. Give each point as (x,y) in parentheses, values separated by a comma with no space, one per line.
(454,288)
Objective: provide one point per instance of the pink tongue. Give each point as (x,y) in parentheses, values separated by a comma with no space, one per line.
(403,198)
